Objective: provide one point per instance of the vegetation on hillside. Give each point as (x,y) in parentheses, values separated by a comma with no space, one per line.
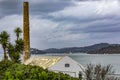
(4,65)
(22,72)
(17,71)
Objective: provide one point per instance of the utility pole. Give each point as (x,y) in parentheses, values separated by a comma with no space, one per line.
(26,34)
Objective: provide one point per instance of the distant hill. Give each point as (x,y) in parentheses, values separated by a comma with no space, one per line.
(77,49)
(112,49)
(100,48)
(36,51)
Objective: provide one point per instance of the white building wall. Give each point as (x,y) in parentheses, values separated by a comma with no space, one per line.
(72,70)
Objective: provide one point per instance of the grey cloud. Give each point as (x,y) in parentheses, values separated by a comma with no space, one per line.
(49,6)
(8,7)
(104,30)
(105,25)
(78,20)
(89,0)
(108,26)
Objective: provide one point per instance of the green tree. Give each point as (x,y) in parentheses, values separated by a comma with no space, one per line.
(11,51)
(19,41)
(14,51)
(13,54)
(4,40)
(19,45)
(18,31)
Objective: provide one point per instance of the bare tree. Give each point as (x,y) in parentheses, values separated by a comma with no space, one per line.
(98,72)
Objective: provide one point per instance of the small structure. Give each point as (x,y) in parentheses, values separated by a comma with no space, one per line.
(64,64)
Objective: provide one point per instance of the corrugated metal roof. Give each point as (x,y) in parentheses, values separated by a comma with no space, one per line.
(44,62)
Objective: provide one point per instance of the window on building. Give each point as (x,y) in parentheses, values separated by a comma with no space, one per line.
(67,65)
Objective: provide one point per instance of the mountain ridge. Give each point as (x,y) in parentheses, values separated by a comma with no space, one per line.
(92,49)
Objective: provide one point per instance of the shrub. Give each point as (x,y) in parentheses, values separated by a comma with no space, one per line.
(4,65)
(23,72)
(98,72)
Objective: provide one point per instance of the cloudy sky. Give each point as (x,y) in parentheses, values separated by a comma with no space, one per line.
(64,23)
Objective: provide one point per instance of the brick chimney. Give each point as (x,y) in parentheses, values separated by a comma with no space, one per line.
(26,30)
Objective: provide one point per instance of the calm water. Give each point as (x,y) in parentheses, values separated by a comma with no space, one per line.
(84,59)
(114,60)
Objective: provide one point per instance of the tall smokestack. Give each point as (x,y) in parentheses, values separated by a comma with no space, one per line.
(26,31)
